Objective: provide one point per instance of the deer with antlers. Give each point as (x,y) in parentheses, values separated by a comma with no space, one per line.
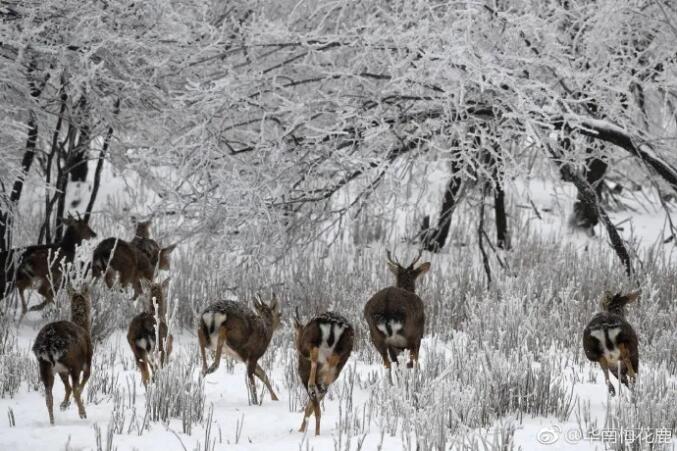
(65,347)
(231,327)
(41,266)
(611,341)
(324,345)
(396,315)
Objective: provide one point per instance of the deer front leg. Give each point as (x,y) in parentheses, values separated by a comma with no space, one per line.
(605,368)
(258,372)
(219,349)
(318,414)
(312,387)
(67,387)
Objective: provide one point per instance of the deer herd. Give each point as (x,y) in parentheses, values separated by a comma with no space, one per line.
(395,317)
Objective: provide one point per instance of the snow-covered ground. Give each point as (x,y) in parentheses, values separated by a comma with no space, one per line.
(354,416)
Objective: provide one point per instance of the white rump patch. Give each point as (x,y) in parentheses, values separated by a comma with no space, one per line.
(213,320)
(397,341)
(325,330)
(612,355)
(60,368)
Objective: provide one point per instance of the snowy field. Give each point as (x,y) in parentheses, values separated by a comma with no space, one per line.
(493,375)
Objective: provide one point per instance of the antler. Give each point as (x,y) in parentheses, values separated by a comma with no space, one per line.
(297,317)
(390,259)
(418,257)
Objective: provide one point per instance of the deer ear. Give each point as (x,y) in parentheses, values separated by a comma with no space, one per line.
(165,283)
(632,297)
(423,268)
(168,250)
(393,267)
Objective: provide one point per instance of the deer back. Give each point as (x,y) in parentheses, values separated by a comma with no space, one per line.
(247,333)
(141,334)
(331,334)
(116,253)
(395,310)
(64,345)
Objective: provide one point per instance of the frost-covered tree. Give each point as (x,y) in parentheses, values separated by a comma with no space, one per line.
(254,118)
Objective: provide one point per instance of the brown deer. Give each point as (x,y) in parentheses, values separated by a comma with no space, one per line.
(41,265)
(65,347)
(396,315)
(158,257)
(324,346)
(232,327)
(114,255)
(142,334)
(610,340)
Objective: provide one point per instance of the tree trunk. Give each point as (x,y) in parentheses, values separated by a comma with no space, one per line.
(99,165)
(433,239)
(588,194)
(6,217)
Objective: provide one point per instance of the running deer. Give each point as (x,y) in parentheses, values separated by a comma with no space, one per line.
(232,327)
(65,347)
(158,257)
(41,266)
(324,346)
(610,340)
(142,334)
(114,255)
(396,315)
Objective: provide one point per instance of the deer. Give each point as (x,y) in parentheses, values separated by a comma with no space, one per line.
(114,255)
(65,347)
(232,327)
(159,257)
(611,341)
(41,265)
(396,315)
(323,345)
(142,334)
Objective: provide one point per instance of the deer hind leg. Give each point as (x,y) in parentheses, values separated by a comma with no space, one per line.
(202,341)
(219,350)
(312,378)
(47,293)
(77,393)
(24,303)
(251,369)
(625,357)
(258,372)
(47,376)
(413,355)
(109,277)
(605,368)
(67,386)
